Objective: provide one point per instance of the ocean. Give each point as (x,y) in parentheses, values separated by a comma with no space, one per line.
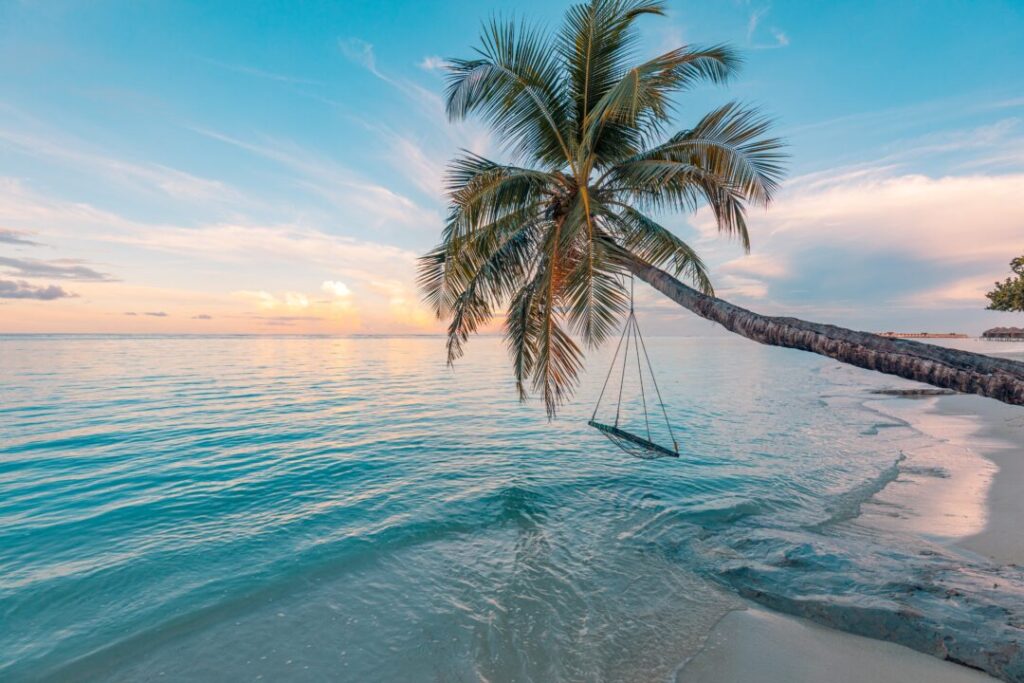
(311,508)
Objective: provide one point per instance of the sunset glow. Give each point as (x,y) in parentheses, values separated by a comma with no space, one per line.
(272,173)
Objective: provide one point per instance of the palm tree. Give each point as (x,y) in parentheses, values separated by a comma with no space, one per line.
(548,237)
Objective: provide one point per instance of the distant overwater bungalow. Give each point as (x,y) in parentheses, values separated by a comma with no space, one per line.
(1004,334)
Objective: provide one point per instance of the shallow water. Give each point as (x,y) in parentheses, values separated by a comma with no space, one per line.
(235,508)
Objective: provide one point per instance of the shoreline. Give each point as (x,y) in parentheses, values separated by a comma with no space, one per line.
(999,438)
(978,450)
(959,487)
(758,644)
(942,488)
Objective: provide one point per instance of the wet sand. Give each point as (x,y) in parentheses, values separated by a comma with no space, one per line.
(999,437)
(759,646)
(975,503)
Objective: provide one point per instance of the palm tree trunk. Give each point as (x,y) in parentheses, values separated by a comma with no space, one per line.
(971,373)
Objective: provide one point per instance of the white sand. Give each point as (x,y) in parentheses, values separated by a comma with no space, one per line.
(999,437)
(943,485)
(979,504)
(764,647)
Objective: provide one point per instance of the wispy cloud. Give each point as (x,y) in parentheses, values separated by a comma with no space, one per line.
(754,22)
(155,314)
(665,35)
(876,237)
(16,237)
(264,74)
(984,141)
(336,183)
(360,52)
(65,269)
(917,116)
(781,39)
(19,289)
(419,157)
(756,265)
(430,104)
(965,291)
(408,156)
(363,54)
(297,258)
(52,144)
(433,63)
(290,300)
(202,316)
(242,243)
(735,286)
(948,219)
(880,235)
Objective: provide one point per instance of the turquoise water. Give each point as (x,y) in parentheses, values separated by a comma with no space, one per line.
(297,508)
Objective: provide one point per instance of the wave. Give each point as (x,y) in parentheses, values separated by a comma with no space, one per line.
(848,505)
(147,515)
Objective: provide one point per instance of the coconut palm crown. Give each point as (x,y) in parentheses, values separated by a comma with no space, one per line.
(548,237)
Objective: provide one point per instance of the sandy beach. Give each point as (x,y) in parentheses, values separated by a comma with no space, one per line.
(975,506)
(999,437)
(768,647)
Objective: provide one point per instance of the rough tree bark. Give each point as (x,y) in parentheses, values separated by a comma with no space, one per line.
(971,373)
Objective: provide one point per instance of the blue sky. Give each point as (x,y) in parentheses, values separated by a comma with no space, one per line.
(277,166)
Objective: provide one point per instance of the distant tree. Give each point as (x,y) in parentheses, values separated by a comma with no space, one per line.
(1009,294)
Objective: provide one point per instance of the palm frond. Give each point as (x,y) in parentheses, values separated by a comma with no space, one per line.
(516,86)
(644,238)
(558,363)
(729,209)
(522,335)
(596,42)
(483,191)
(558,358)
(640,102)
(492,277)
(594,296)
(593,299)
(430,279)
(730,143)
(447,269)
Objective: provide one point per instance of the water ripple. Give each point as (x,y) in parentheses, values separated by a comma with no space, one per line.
(300,507)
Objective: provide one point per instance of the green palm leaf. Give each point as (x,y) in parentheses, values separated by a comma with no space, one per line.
(551,237)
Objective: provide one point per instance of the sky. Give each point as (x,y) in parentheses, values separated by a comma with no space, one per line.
(277,167)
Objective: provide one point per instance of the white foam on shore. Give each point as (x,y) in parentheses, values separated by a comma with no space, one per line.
(943,483)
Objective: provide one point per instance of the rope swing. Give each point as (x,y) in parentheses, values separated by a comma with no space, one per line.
(633,444)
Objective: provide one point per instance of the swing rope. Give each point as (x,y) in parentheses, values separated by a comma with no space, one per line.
(654,380)
(632,444)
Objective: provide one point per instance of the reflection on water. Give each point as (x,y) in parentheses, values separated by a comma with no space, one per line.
(211,508)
